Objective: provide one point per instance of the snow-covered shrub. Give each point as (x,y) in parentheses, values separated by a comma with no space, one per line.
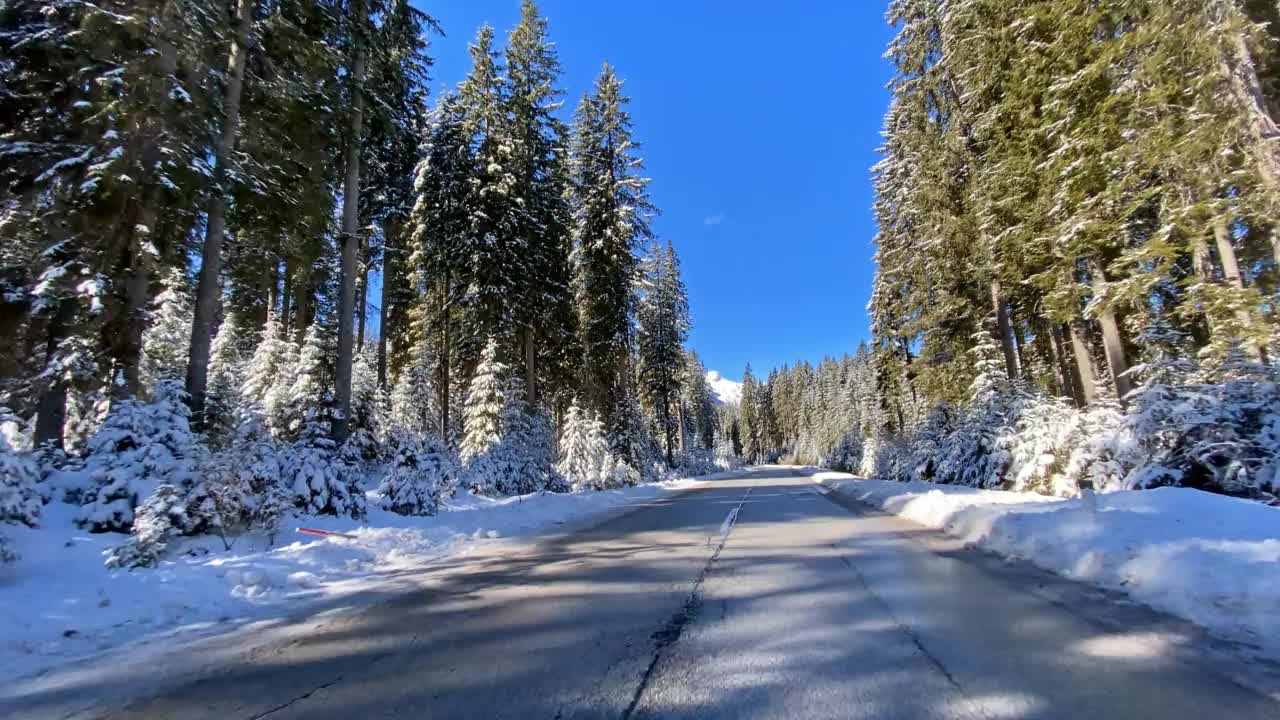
(696,461)
(163,514)
(12,431)
(847,454)
(724,457)
(527,448)
(242,484)
(1045,429)
(320,482)
(421,475)
(140,446)
(19,495)
(921,459)
(1210,428)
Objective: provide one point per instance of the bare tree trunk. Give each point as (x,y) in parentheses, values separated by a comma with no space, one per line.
(680,425)
(390,247)
(1005,328)
(1112,344)
(1262,127)
(530,368)
(362,306)
(51,415)
(137,292)
(208,289)
(668,428)
(286,298)
(302,303)
(51,411)
(1231,271)
(1085,368)
(350,229)
(1062,369)
(445,351)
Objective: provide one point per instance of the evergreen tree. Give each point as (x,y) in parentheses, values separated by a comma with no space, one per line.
(611,212)
(422,475)
(663,328)
(141,446)
(486,400)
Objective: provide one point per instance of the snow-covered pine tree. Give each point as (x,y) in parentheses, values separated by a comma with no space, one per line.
(167,338)
(223,404)
(495,267)
(321,482)
(307,397)
(414,406)
(486,401)
(269,376)
(611,212)
(139,447)
(422,474)
(585,461)
(438,236)
(368,411)
(662,329)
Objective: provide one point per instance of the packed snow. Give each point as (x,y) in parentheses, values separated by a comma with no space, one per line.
(726,391)
(62,602)
(1211,559)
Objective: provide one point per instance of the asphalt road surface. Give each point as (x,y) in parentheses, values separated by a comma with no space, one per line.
(754,597)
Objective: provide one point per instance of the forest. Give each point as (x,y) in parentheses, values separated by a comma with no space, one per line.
(249,268)
(1077,263)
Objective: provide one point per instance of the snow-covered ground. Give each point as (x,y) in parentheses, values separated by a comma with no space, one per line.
(61,603)
(1210,559)
(726,391)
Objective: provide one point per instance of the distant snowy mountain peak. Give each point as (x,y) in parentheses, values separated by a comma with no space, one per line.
(727,392)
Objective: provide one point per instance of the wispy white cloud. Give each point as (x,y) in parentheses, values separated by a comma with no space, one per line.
(713,219)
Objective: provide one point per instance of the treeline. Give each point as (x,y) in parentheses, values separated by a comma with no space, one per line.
(198,203)
(1077,260)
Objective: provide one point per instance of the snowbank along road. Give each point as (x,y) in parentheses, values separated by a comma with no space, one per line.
(761,596)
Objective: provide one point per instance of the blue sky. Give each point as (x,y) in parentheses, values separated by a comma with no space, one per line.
(759,123)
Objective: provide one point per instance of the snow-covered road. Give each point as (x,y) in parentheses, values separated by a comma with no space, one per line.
(750,597)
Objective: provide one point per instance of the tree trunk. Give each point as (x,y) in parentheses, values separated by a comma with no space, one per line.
(1112,344)
(1231,272)
(208,290)
(51,411)
(51,415)
(680,425)
(666,423)
(390,245)
(530,368)
(302,318)
(1087,373)
(350,229)
(362,306)
(286,299)
(137,292)
(445,351)
(1062,367)
(1005,328)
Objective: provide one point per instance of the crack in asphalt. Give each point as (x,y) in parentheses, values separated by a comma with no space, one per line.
(300,698)
(902,627)
(669,633)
